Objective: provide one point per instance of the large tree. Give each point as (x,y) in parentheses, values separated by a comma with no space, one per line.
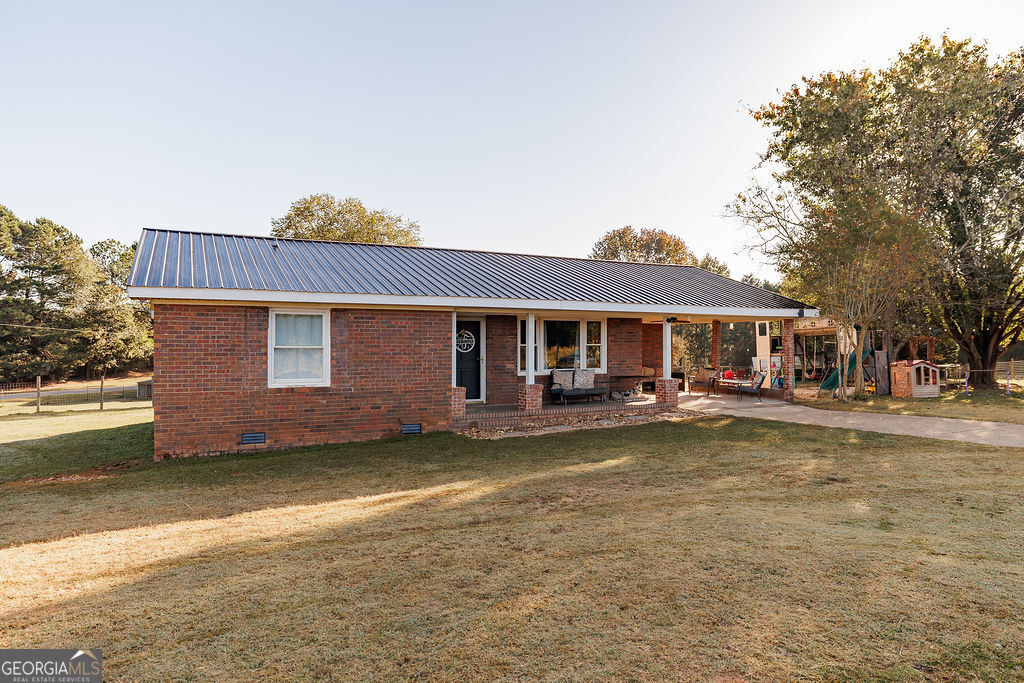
(930,148)
(323,217)
(646,245)
(827,214)
(112,332)
(44,273)
(650,245)
(957,146)
(755,281)
(115,258)
(116,332)
(60,310)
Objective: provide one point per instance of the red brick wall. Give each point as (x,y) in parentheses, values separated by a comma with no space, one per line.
(502,350)
(210,379)
(625,351)
(716,344)
(788,360)
(652,345)
(902,385)
(458,402)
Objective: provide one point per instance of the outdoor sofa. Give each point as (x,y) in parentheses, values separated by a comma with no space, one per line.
(567,384)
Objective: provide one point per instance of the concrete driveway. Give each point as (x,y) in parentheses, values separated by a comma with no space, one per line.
(970,431)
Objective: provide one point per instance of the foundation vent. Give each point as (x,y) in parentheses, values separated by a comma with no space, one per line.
(254,437)
(415,428)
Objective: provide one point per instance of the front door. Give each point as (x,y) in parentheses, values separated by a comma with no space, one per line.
(467,357)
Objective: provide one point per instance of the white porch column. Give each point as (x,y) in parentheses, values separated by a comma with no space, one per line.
(531,342)
(666,350)
(453,349)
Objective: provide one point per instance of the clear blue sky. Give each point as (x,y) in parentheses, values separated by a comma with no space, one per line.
(512,126)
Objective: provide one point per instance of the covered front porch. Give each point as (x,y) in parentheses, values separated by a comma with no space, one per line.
(503,363)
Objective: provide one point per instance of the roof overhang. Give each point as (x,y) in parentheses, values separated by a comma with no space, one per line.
(201,296)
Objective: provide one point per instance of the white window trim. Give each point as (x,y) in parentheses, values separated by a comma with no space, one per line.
(520,322)
(324,381)
(540,340)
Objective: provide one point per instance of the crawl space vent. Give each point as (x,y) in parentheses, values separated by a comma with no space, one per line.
(254,437)
(416,428)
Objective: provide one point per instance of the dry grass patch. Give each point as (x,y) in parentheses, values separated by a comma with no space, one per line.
(716,547)
(980,405)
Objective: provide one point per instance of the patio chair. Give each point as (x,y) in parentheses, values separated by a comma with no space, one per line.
(704,377)
(753,386)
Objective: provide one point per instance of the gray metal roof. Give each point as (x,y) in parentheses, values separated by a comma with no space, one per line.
(183,260)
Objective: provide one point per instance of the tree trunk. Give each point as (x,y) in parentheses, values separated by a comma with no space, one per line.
(858,377)
(982,365)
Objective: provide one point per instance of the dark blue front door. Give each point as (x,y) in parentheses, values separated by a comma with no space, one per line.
(467,357)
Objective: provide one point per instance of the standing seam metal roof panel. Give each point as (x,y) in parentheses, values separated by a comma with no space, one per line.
(183,260)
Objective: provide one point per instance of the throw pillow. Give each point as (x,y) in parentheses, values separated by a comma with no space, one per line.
(583,379)
(562,377)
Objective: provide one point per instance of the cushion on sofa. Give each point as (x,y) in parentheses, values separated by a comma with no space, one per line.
(583,379)
(562,378)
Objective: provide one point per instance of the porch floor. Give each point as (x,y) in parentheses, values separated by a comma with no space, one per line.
(497,416)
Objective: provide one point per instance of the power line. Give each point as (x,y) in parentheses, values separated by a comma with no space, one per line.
(41,327)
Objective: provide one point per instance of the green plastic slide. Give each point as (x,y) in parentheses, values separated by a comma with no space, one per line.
(832,381)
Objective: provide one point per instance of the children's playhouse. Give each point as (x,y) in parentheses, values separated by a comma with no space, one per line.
(914,379)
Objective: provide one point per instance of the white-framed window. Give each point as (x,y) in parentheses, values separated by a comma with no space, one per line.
(299,348)
(566,343)
(521,362)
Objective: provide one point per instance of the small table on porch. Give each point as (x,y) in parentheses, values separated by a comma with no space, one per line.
(730,383)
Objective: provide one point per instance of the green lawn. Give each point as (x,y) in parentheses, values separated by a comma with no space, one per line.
(714,548)
(980,405)
(50,444)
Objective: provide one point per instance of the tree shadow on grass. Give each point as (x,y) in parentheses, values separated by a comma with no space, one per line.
(220,486)
(563,556)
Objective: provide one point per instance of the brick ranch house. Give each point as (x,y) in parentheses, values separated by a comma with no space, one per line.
(263,342)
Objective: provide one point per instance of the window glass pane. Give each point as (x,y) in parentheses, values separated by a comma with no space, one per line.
(522,357)
(561,339)
(594,332)
(299,330)
(298,364)
(522,331)
(594,356)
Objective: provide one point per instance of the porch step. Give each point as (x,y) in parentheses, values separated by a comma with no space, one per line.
(556,414)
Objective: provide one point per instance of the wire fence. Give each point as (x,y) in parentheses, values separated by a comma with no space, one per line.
(1001,378)
(33,397)
(1013,369)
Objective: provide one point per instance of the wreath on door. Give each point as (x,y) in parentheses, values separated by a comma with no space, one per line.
(465,341)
